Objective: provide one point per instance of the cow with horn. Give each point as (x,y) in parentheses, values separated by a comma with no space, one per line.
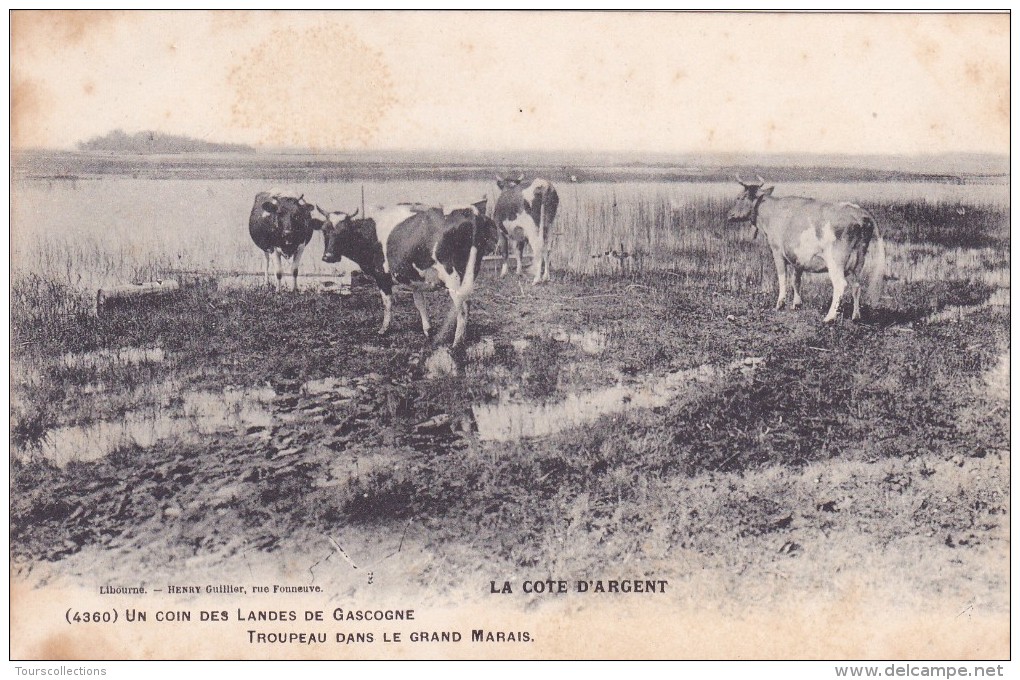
(418,248)
(807,235)
(281,225)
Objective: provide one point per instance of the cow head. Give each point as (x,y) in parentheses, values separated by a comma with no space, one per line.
(336,233)
(509,182)
(291,217)
(746,207)
(486,231)
(483,230)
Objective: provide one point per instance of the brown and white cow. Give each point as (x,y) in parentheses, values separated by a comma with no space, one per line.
(418,247)
(525,211)
(281,225)
(807,235)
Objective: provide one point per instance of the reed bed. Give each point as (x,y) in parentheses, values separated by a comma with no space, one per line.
(71,238)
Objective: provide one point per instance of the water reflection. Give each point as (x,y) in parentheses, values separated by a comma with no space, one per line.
(108,357)
(999,297)
(198,413)
(509,420)
(341,283)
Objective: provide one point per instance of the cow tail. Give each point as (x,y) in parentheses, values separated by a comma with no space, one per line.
(541,216)
(875,266)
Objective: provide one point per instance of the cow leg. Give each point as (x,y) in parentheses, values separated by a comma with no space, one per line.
(780,263)
(460,305)
(538,252)
(279,269)
(387,305)
(797,274)
(266,253)
(453,284)
(838,288)
(855,291)
(503,249)
(460,297)
(419,303)
(294,262)
(519,253)
(545,264)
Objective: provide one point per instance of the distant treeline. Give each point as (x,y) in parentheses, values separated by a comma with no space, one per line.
(148,141)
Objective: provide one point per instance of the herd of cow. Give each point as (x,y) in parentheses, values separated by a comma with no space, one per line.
(419,246)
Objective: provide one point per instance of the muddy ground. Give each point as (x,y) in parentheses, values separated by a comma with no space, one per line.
(745,453)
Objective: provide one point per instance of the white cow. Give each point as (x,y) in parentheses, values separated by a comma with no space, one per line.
(806,235)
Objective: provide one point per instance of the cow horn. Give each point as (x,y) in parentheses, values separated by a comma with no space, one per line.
(355,213)
(761,179)
(520,177)
(740,181)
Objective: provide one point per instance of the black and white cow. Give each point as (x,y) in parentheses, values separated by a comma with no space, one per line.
(281,225)
(525,211)
(418,247)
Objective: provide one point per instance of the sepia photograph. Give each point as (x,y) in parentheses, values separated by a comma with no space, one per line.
(506,335)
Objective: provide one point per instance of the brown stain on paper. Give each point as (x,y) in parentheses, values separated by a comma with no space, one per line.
(231,21)
(34,34)
(29,103)
(320,88)
(984,77)
(58,28)
(990,83)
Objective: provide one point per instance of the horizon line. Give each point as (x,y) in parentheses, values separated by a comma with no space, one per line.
(427,150)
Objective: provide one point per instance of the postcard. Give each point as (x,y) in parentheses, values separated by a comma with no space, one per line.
(509,335)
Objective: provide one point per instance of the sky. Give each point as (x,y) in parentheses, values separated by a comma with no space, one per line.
(645,82)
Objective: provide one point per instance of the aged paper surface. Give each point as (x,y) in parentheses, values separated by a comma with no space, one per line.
(639,459)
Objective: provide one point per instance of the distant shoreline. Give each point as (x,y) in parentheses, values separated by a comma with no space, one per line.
(562,167)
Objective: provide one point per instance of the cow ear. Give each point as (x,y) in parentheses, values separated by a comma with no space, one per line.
(269,207)
(765,192)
